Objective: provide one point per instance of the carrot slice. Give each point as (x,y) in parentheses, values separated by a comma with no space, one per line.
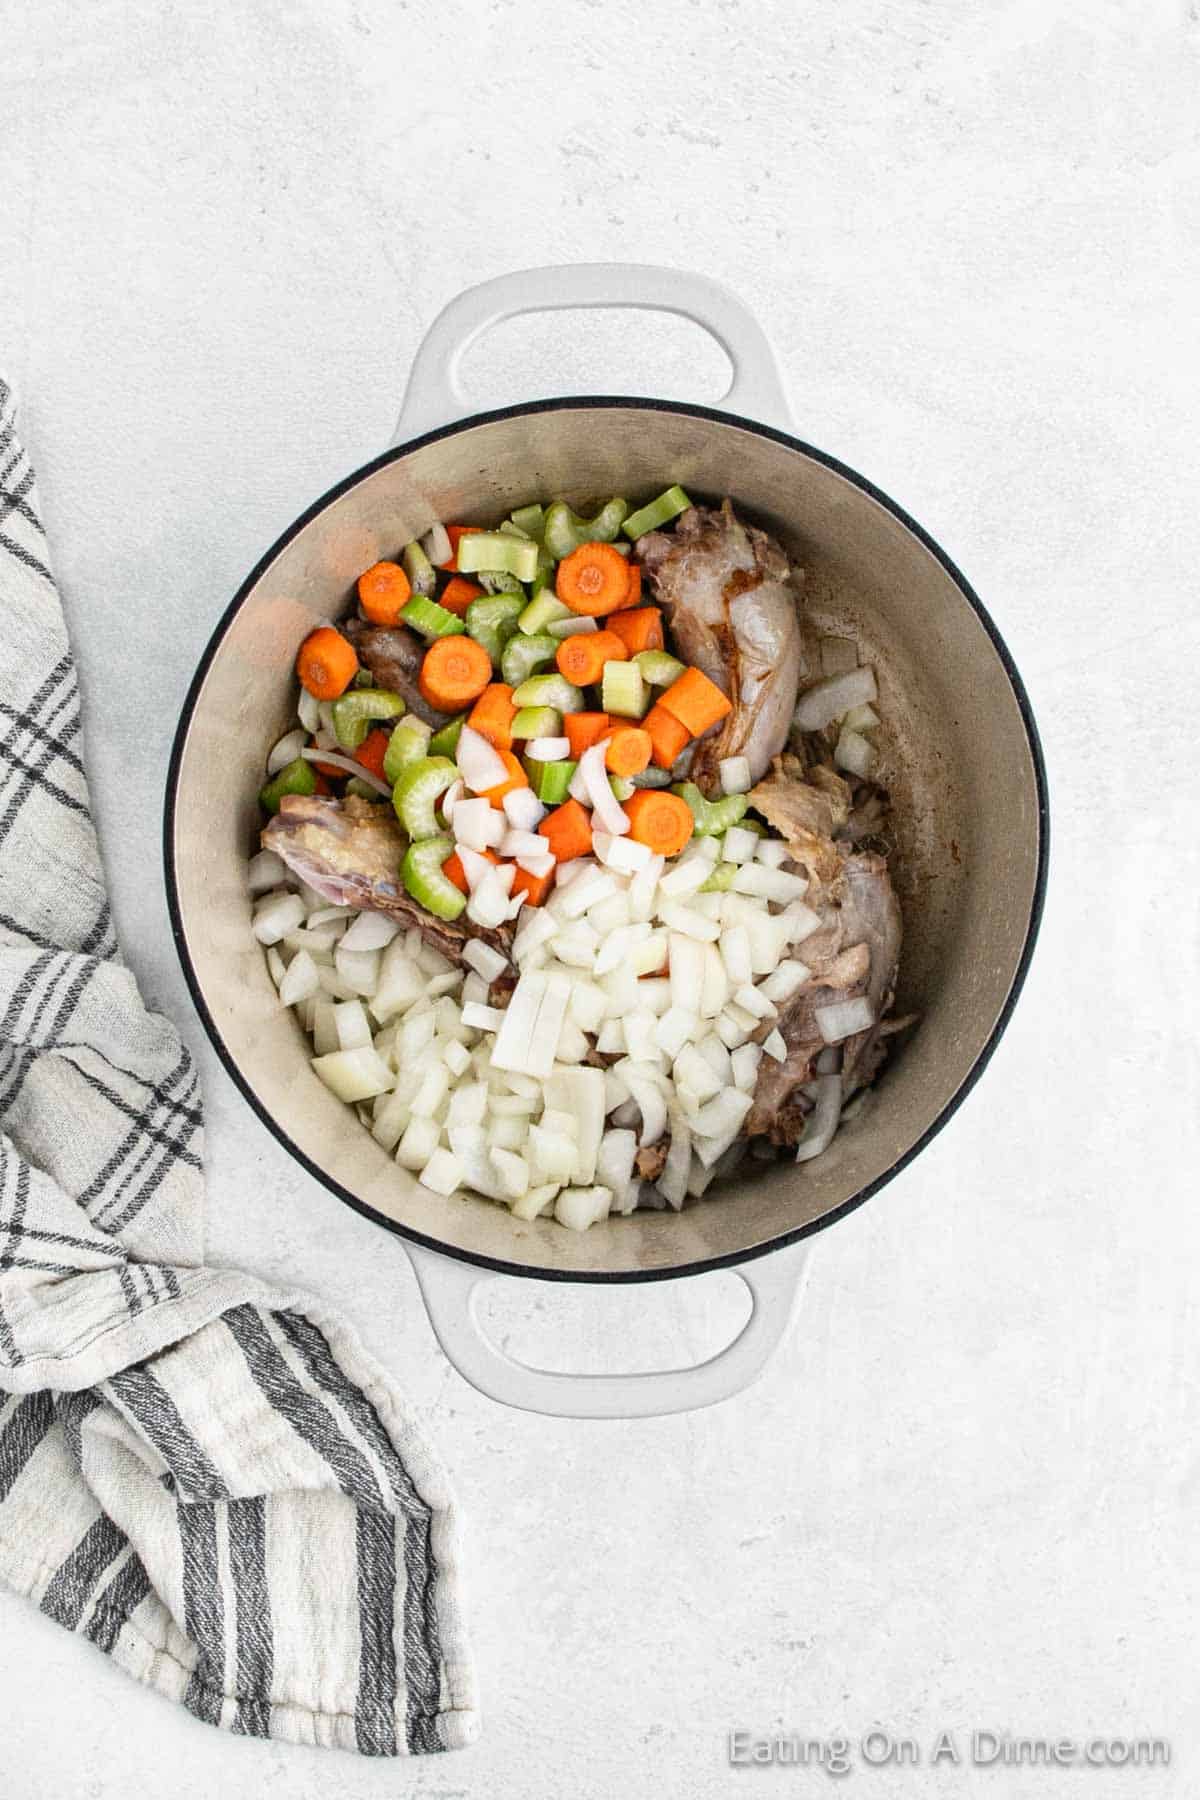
(383,590)
(455,671)
(453,870)
(458,594)
(455,533)
(582,658)
(568,831)
(372,750)
(584,729)
(696,701)
(641,629)
(534,887)
(516,778)
(628,750)
(492,715)
(662,821)
(666,733)
(326,663)
(634,596)
(593,580)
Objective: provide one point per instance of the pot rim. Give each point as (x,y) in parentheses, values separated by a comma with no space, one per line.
(705,1265)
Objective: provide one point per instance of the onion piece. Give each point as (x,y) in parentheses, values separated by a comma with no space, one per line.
(475,866)
(483,959)
(564,628)
(450,799)
(607,811)
(479,762)
(523,810)
(843,1018)
(309,712)
(827,700)
(824,1119)
(351,768)
(524,843)
(286,750)
(547,749)
(265,871)
(735,775)
(854,754)
(436,545)
(370,931)
(488,905)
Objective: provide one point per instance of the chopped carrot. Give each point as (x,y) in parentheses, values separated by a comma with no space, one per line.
(582,658)
(326,664)
(383,590)
(455,671)
(662,821)
(634,595)
(584,729)
(372,750)
(666,734)
(320,785)
(640,629)
(534,887)
(696,701)
(453,870)
(516,778)
(330,769)
(628,750)
(593,580)
(568,831)
(454,533)
(458,594)
(492,715)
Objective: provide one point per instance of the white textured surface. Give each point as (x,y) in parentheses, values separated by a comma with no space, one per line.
(966,1493)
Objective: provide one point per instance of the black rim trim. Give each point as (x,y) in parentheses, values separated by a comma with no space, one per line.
(732,1258)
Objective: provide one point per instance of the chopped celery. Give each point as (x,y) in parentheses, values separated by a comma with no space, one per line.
(565,530)
(361,790)
(550,781)
(445,741)
(549,690)
(422,576)
(522,655)
(430,619)
(623,691)
(511,529)
(721,879)
(355,712)
(421,873)
(407,745)
(529,519)
(492,622)
(659,669)
(711,817)
(542,612)
(658,512)
(492,550)
(493,582)
(365,679)
(622,787)
(297,777)
(537,721)
(417,789)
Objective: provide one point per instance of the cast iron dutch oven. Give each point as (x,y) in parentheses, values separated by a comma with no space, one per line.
(962,764)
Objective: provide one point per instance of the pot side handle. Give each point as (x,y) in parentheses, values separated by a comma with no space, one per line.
(450,1290)
(433,396)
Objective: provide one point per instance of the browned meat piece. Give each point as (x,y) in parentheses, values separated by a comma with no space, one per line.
(804,816)
(394,656)
(726,589)
(349,851)
(650,1162)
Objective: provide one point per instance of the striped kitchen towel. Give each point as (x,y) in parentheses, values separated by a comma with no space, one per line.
(210,1481)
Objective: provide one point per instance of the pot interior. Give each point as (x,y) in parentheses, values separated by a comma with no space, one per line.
(955,755)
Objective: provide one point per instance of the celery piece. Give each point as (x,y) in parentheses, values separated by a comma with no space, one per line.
(414,794)
(297,777)
(492,550)
(565,530)
(623,691)
(430,619)
(659,669)
(407,745)
(711,817)
(550,781)
(721,879)
(622,787)
(365,679)
(522,655)
(361,790)
(529,519)
(422,576)
(421,873)
(537,721)
(549,690)
(542,612)
(658,512)
(494,582)
(491,622)
(511,529)
(355,712)
(445,741)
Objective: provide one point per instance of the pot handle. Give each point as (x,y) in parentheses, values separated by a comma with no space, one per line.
(450,1290)
(433,397)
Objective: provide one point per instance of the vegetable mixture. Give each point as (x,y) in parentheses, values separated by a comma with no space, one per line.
(577,899)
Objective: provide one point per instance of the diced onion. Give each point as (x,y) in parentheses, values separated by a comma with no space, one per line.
(823,1121)
(286,750)
(735,775)
(370,931)
(300,981)
(854,754)
(309,711)
(607,811)
(348,765)
(436,545)
(479,763)
(265,871)
(843,1018)
(483,959)
(547,749)
(277,916)
(488,904)
(827,700)
(523,810)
